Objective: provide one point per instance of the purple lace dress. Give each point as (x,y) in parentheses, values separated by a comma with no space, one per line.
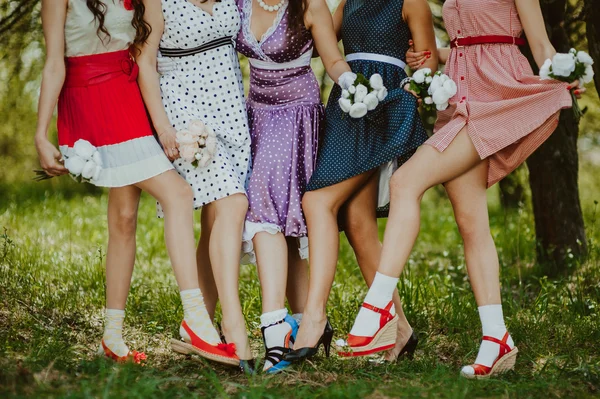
(285,114)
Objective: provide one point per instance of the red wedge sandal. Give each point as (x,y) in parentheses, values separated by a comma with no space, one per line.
(221,353)
(383,340)
(505,361)
(133,356)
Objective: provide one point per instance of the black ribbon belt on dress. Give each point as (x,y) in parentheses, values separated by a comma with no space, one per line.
(185,52)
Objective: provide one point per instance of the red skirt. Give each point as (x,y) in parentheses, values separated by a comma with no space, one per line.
(101,102)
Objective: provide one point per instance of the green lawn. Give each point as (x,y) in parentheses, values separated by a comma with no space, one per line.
(52,249)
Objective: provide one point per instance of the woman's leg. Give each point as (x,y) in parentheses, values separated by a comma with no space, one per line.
(120,257)
(425,169)
(469,200)
(360,222)
(205,273)
(176,198)
(297,279)
(321,209)
(225,247)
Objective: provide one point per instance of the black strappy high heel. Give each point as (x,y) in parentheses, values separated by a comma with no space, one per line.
(308,352)
(409,348)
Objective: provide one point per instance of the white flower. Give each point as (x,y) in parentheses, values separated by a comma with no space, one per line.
(347,79)
(419,76)
(371,101)
(361,93)
(545,69)
(84,149)
(97,158)
(196,127)
(198,156)
(89,170)
(428,79)
(563,64)
(441,107)
(588,75)
(186,137)
(382,94)
(584,58)
(341,343)
(440,96)
(358,110)
(345,94)
(74,164)
(345,104)
(352,89)
(450,87)
(376,81)
(97,173)
(428,100)
(436,83)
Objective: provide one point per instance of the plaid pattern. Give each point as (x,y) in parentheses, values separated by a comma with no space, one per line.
(509,112)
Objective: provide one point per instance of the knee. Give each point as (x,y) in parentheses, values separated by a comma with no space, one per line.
(124,222)
(471,226)
(238,204)
(403,185)
(183,193)
(314,202)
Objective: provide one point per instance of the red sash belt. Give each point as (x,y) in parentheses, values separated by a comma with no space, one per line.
(98,68)
(491,39)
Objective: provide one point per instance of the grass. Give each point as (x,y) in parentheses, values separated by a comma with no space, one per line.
(52,249)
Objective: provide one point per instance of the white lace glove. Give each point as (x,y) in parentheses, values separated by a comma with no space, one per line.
(165,65)
(347,79)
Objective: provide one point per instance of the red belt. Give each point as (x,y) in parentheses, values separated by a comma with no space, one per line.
(491,39)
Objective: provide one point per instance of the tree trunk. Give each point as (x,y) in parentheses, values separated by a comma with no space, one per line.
(592,22)
(512,191)
(553,174)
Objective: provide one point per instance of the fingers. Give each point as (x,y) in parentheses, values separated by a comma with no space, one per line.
(579,92)
(172,153)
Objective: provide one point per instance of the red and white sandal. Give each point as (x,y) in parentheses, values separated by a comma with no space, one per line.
(505,361)
(133,356)
(222,353)
(383,340)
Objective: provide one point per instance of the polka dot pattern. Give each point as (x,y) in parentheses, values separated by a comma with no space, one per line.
(207,86)
(393,131)
(285,115)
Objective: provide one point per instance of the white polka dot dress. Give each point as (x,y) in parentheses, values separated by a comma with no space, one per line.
(207,86)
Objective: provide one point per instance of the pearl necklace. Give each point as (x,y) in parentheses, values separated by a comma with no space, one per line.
(269,8)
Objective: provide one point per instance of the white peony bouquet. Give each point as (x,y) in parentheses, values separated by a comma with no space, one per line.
(197,143)
(84,164)
(434,89)
(361,95)
(574,65)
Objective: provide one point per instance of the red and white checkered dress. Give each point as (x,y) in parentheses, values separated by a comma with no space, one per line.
(509,112)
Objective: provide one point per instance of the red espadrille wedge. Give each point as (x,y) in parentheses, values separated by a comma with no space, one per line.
(133,356)
(383,340)
(505,361)
(221,353)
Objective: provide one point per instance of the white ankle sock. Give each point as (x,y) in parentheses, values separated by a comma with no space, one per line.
(492,324)
(197,318)
(379,295)
(113,332)
(275,334)
(266,319)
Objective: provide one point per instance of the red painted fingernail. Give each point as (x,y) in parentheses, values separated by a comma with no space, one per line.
(568,87)
(428,55)
(577,91)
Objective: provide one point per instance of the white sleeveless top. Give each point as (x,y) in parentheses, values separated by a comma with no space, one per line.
(81,37)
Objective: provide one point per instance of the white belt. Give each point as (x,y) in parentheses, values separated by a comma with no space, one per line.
(376,57)
(302,61)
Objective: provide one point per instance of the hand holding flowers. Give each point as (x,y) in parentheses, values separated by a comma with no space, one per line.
(359,94)
(197,144)
(84,163)
(435,90)
(572,67)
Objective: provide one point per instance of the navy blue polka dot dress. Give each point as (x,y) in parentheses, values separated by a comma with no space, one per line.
(391,132)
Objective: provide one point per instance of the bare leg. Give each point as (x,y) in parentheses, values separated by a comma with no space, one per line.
(271,258)
(425,169)
(297,278)
(205,273)
(120,256)
(320,209)
(225,248)
(362,231)
(468,196)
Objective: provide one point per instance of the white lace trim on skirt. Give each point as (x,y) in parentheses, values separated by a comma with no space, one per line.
(251,229)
